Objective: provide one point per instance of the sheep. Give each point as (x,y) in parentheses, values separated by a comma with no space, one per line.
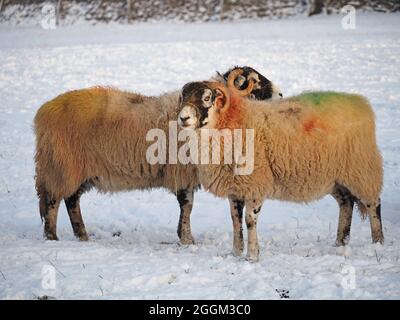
(305,147)
(263,89)
(96,138)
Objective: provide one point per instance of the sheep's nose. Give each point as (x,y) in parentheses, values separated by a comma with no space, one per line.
(280,94)
(184,119)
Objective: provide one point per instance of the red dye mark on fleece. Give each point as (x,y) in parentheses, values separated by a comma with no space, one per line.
(312,124)
(232,117)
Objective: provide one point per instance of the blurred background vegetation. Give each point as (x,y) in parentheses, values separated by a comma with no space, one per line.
(130,11)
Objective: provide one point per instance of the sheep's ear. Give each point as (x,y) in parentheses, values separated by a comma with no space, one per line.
(220,99)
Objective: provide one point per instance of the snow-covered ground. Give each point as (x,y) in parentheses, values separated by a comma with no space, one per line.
(145,260)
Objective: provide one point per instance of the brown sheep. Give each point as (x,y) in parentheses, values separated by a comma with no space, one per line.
(97,138)
(305,147)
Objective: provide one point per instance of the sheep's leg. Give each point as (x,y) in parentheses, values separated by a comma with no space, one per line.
(185,199)
(374,212)
(74,211)
(345,201)
(252,210)
(237,206)
(48,211)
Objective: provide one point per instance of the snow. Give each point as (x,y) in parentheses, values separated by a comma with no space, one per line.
(134,252)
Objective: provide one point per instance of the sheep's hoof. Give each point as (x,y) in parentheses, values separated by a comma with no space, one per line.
(237,252)
(380,240)
(252,259)
(81,234)
(83,237)
(187,241)
(50,237)
(340,243)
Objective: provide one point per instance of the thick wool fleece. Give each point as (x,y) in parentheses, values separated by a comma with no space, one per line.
(303,146)
(98,135)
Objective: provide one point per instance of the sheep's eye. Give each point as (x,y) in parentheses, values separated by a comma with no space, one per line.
(206,99)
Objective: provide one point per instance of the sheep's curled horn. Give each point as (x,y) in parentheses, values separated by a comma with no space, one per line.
(231,80)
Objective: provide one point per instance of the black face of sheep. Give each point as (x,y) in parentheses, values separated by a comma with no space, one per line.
(200,100)
(264,89)
(196,100)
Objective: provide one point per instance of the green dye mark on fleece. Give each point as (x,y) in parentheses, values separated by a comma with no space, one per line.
(319,99)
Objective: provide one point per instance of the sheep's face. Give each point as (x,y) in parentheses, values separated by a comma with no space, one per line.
(198,102)
(264,89)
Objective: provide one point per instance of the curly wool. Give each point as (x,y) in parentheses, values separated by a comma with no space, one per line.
(98,134)
(303,147)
